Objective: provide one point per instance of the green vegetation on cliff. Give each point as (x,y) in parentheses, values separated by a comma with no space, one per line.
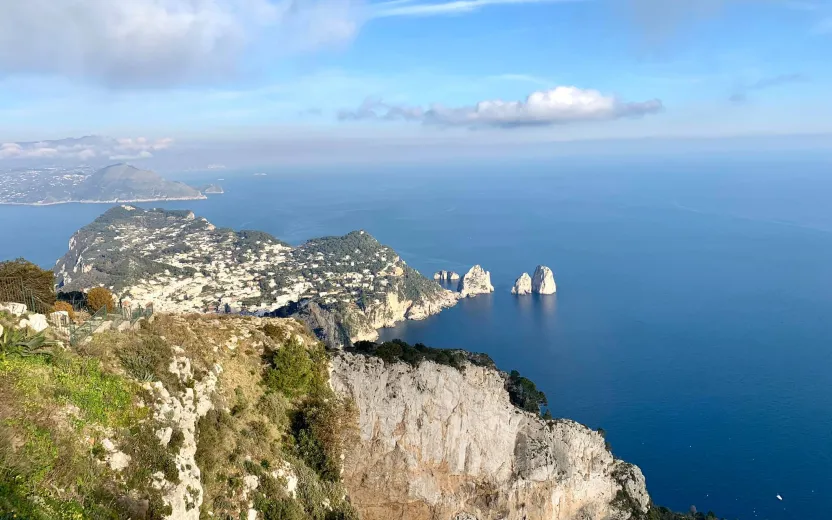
(81,435)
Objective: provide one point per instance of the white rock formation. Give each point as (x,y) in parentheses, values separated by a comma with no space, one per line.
(543,281)
(36,322)
(441,443)
(476,281)
(17,309)
(182,412)
(445,276)
(522,285)
(117,460)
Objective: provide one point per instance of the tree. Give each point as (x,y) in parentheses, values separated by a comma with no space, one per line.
(99,297)
(39,282)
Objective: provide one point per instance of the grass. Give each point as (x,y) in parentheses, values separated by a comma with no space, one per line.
(54,410)
(274,411)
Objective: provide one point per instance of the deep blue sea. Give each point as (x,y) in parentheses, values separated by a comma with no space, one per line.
(693,319)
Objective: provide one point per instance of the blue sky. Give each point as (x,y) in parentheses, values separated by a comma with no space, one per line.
(224,70)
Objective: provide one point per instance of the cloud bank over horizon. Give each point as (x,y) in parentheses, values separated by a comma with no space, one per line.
(86,148)
(560,105)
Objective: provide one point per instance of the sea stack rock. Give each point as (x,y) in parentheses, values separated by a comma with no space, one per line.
(523,285)
(543,281)
(445,276)
(476,281)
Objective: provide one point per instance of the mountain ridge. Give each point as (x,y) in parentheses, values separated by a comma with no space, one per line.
(119,182)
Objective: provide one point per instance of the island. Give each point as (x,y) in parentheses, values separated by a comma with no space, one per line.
(542,282)
(446,276)
(114,183)
(476,281)
(212,189)
(344,288)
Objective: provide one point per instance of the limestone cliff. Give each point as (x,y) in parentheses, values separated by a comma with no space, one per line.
(522,285)
(543,281)
(200,416)
(441,443)
(476,281)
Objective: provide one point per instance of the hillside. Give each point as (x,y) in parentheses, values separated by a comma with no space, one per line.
(122,182)
(115,183)
(194,416)
(183,263)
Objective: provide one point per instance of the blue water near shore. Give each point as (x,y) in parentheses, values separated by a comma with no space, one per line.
(692,320)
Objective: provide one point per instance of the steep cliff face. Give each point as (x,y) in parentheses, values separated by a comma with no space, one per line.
(543,281)
(476,281)
(441,443)
(522,285)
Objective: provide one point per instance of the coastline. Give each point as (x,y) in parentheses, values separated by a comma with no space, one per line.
(114,201)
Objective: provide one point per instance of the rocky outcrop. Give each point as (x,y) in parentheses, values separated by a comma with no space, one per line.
(445,276)
(440,443)
(522,285)
(181,412)
(476,281)
(323,322)
(35,322)
(543,281)
(15,309)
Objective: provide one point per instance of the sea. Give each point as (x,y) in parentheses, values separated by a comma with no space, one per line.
(693,318)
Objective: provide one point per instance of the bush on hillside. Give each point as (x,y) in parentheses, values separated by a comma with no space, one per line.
(297,371)
(523,393)
(398,350)
(322,430)
(99,297)
(65,307)
(39,281)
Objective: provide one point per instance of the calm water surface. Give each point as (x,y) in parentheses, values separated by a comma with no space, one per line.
(692,314)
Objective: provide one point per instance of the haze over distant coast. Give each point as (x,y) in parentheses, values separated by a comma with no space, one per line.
(114,183)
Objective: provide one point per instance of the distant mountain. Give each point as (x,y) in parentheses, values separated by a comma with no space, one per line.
(212,189)
(114,183)
(123,182)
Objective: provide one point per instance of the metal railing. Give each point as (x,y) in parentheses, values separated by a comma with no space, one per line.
(124,312)
(14,290)
(80,332)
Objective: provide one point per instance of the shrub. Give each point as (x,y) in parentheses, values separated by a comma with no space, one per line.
(275,332)
(523,393)
(99,297)
(22,343)
(398,350)
(296,371)
(66,307)
(39,281)
(322,429)
(279,509)
(147,358)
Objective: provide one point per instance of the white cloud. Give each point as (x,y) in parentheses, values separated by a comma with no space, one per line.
(86,148)
(127,157)
(160,42)
(742,90)
(375,108)
(560,105)
(411,8)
